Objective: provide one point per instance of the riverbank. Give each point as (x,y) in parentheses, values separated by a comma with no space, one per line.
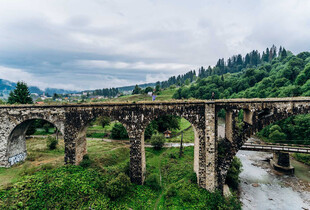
(261,187)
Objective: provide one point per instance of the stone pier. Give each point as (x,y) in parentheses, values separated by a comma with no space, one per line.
(210,167)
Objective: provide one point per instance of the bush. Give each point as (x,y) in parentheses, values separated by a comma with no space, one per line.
(46,127)
(304,158)
(232,178)
(119,132)
(172,156)
(118,186)
(86,162)
(103,121)
(31,129)
(51,142)
(277,135)
(33,156)
(193,177)
(172,191)
(186,195)
(153,182)
(158,141)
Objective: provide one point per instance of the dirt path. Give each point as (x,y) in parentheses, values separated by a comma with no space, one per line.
(37,162)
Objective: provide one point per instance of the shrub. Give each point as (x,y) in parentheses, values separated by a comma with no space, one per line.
(186,195)
(305,158)
(172,191)
(86,162)
(275,128)
(193,177)
(153,182)
(277,135)
(31,129)
(172,156)
(118,186)
(51,142)
(46,167)
(119,132)
(232,178)
(103,121)
(46,127)
(27,169)
(158,141)
(33,156)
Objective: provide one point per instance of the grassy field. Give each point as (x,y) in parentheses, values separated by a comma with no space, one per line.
(43,182)
(188,135)
(163,95)
(96,131)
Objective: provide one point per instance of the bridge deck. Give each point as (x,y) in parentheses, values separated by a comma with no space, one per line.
(170,102)
(275,148)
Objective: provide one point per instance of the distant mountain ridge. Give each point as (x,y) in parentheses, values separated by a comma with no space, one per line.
(7,86)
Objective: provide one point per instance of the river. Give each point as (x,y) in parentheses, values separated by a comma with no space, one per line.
(263,188)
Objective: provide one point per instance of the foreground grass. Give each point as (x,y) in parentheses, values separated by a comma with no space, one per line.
(52,185)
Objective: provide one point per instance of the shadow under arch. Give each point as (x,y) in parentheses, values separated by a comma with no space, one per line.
(16,145)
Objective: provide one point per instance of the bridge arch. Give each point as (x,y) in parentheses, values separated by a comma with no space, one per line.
(254,120)
(76,126)
(16,141)
(192,126)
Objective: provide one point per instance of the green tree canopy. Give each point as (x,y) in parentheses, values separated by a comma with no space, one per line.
(148,89)
(119,132)
(20,95)
(137,90)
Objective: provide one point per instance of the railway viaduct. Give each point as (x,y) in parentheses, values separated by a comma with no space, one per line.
(212,157)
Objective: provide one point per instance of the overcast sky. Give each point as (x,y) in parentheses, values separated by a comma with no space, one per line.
(88,44)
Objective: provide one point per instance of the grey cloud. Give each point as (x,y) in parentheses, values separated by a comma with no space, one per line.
(138,41)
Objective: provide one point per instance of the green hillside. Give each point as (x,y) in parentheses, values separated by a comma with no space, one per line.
(282,77)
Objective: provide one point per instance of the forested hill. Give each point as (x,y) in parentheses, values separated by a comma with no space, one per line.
(234,64)
(280,75)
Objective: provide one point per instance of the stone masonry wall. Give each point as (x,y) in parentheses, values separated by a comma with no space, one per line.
(14,121)
(210,167)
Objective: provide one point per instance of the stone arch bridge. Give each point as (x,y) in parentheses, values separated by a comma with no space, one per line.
(210,162)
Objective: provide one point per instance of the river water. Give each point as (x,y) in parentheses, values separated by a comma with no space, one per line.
(263,188)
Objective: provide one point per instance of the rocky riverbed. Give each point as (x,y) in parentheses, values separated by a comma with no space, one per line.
(262,187)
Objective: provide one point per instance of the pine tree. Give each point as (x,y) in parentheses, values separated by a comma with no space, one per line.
(20,95)
(137,90)
(157,88)
(283,53)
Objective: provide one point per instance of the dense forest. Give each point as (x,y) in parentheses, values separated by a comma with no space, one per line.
(284,76)
(106,92)
(234,64)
